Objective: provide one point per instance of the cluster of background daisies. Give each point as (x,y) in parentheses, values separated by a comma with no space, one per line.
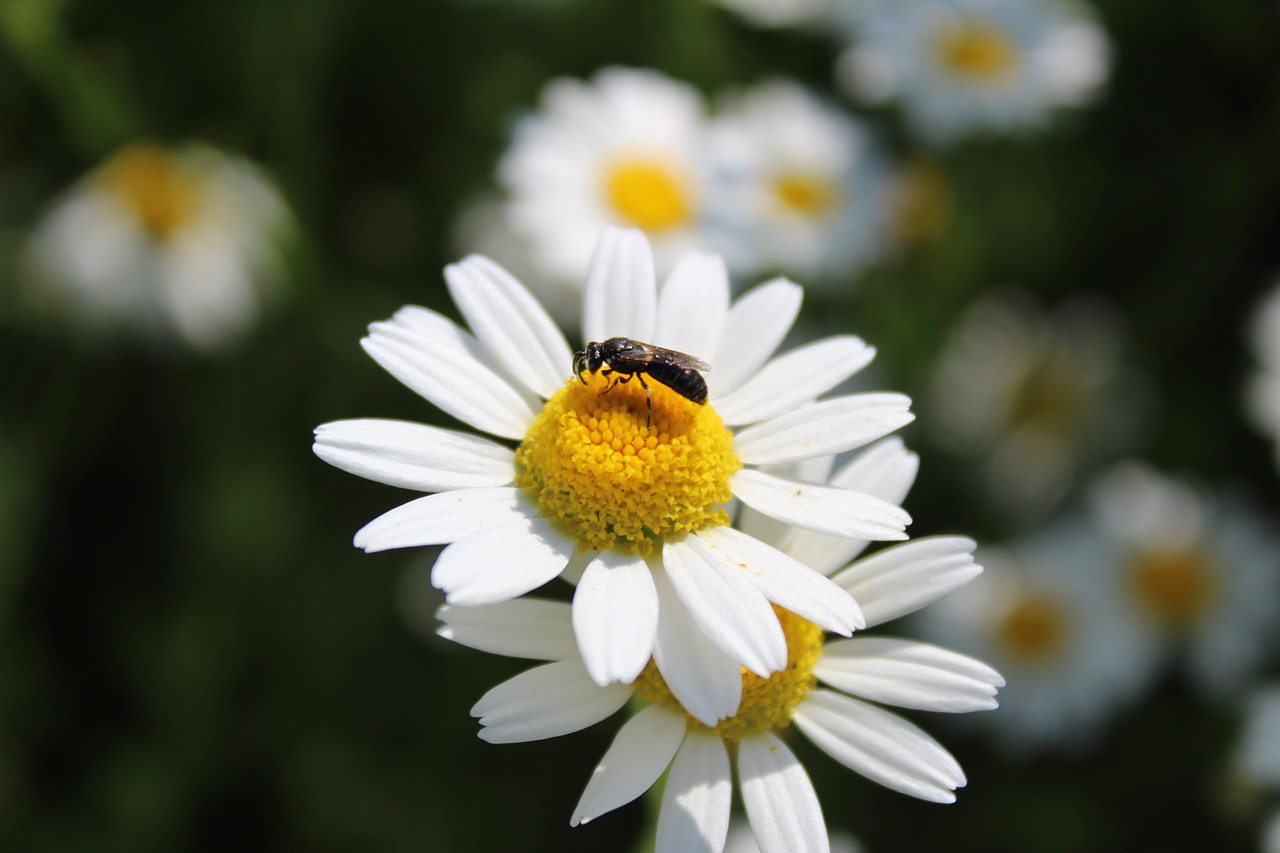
(1055,222)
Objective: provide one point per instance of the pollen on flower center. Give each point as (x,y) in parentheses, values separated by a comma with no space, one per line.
(1033,630)
(1174,586)
(804,194)
(647,193)
(612,477)
(978,51)
(155,186)
(767,703)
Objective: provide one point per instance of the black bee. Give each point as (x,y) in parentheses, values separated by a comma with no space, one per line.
(622,358)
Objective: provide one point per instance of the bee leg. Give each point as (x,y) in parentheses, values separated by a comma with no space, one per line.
(610,378)
(648,399)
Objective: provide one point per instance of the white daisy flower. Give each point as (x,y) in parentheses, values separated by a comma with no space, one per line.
(178,241)
(800,186)
(1046,615)
(1197,576)
(831,691)
(742,840)
(1263,392)
(624,484)
(1034,397)
(625,149)
(961,66)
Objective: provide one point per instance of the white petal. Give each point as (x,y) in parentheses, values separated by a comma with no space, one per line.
(621,293)
(784,581)
(903,578)
(823,429)
(443,518)
(500,563)
(704,680)
(694,306)
(781,804)
(885,470)
(822,509)
(798,377)
(909,674)
(615,617)
(643,748)
(515,329)
(414,456)
(438,360)
(881,746)
(695,804)
(726,605)
(523,628)
(547,701)
(756,326)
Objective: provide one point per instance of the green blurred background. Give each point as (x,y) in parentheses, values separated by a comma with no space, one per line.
(192,654)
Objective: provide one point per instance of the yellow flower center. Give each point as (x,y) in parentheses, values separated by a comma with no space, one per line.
(924,201)
(154,184)
(1033,631)
(1050,399)
(612,477)
(978,51)
(1174,586)
(767,703)
(648,194)
(805,194)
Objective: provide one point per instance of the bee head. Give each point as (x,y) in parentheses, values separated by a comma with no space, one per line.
(589,359)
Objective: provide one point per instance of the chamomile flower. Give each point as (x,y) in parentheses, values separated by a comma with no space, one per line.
(624,149)
(172,241)
(801,187)
(831,691)
(1200,577)
(1046,615)
(1263,393)
(1034,397)
(624,485)
(962,66)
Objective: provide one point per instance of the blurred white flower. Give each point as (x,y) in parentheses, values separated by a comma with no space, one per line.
(782,13)
(677,732)
(1200,577)
(961,66)
(625,149)
(628,489)
(177,241)
(1257,755)
(1263,392)
(1034,398)
(800,187)
(1046,614)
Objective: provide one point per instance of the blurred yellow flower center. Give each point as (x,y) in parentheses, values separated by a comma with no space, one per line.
(978,51)
(612,477)
(805,194)
(1051,399)
(648,194)
(1034,630)
(767,703)
(155,185)
(924,201)
(1175,586)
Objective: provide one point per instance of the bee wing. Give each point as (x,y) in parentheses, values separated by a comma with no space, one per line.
(679,359)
